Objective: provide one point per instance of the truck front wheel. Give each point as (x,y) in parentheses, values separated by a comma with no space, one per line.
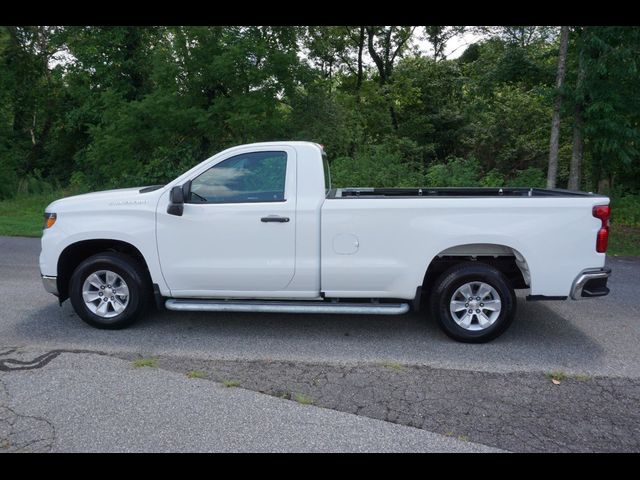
(473,302)
(109,290)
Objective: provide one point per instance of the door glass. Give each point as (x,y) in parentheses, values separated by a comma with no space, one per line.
(248,177)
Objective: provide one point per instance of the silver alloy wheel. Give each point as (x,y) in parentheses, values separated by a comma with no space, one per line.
(475,306)
(105,293)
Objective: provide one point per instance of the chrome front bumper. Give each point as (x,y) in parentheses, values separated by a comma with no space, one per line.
(50,284)
(591,283)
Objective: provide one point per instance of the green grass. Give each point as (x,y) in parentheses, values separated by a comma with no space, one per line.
(196,374)
(303,399)
(231,383)
(624,241)
(145,362)
(559,376)
(23,216)
(393,366)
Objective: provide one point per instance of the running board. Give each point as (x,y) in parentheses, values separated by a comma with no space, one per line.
(196,305)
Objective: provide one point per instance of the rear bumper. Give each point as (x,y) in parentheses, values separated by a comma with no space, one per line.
(591,283)
(50,284)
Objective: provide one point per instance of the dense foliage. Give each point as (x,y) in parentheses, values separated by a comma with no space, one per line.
(100,107)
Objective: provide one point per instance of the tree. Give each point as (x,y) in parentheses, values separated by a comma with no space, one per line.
(131,105)
(578,127)
(522,36)
(439,37)
(337,49)
(386,45)
(610,104)
(557,104)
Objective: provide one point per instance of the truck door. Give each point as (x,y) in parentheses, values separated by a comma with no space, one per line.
(237,231)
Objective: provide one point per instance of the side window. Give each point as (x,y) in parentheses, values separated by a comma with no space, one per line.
(249,177)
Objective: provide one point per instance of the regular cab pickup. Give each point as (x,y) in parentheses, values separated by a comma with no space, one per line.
(259,228)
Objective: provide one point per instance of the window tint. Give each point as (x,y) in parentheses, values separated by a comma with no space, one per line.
(249,177)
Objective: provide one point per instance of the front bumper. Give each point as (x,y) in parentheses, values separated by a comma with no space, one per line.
(591,283)
(50,284)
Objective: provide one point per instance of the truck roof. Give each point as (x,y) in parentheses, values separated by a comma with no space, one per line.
(291,143)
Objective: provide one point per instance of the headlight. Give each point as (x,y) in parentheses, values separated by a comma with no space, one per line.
(49,219)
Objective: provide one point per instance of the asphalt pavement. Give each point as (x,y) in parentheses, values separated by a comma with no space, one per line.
(590,345)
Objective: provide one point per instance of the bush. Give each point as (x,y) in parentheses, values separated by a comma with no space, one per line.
(531,177)
(625,210)
(34,184)
(492,179)
(457,172)
(9,180)
(377,166)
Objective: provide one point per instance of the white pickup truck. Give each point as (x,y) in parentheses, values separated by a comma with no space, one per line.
(258,228)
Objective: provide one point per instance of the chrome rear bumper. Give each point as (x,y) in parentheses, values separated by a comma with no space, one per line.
(591,283)
(50,284)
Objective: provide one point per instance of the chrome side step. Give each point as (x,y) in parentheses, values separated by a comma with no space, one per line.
(196,305)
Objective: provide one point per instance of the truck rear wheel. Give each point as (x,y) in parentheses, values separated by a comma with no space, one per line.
(473,302)
(109,290)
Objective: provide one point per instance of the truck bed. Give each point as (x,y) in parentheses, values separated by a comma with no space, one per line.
(416,192)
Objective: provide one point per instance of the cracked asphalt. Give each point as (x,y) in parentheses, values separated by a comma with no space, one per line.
(374,383)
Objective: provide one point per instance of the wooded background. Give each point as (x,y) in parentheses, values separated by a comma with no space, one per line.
(107,107)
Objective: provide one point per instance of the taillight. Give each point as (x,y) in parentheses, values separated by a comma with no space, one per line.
(603,212)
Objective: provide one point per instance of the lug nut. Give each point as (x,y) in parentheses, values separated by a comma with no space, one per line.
(99,294)
(482,304)
(477,298)
(478,311)
(102,287)
(105,299)
(466,304)
(470,311)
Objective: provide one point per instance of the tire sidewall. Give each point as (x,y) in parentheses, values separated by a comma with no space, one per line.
(119,264)
(452,280)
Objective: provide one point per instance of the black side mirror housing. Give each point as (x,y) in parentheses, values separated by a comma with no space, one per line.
(176,201)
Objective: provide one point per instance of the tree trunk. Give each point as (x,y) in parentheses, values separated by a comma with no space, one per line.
(603,186)
(578,125)
(578,148)
(360,70)
(380,64)
(554,142)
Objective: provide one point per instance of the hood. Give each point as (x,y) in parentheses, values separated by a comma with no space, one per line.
(99,200)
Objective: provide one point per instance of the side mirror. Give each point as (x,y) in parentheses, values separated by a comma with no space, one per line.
(176,202)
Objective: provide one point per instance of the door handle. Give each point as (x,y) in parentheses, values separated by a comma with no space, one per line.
(274,218)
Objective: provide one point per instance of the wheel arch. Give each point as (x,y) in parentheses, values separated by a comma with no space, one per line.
(77,252)
(508,260)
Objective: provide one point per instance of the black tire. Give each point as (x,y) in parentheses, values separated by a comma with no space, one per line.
(131,272)
(458,275)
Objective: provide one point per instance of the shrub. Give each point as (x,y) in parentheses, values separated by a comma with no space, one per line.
(378,166)
(456,172)
(625,210)
(531,177)
(492,179)
(34,184)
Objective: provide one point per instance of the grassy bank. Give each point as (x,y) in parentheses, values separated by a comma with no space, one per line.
(23,216)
